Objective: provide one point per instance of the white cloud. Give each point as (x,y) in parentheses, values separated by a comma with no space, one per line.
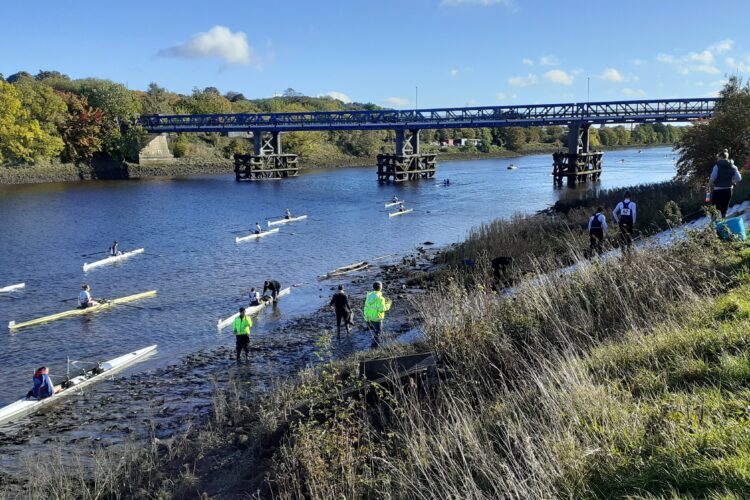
(633,92)
(722,46)
(528,62)
(218,42)
(704,57)
(558,76)
(637,62)
(482,3)
(612,75)
(549,61)
(336,95)
(523,81)
(396,102)
(665,58)
(454,72)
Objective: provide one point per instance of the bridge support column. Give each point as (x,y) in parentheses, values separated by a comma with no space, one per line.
(408,163)
(156,150)
(267,160)
(579,163)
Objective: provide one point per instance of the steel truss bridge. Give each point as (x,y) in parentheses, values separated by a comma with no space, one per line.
(615,112)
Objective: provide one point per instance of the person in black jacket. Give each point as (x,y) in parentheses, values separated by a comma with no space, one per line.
(274,287)
(340,303)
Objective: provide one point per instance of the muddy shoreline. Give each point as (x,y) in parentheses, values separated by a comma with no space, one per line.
(166,403)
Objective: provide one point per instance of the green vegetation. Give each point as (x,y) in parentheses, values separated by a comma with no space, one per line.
(48,117)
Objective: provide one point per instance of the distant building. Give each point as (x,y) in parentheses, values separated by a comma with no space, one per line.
(470,142)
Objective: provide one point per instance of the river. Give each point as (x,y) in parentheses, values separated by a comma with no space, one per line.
(201,274)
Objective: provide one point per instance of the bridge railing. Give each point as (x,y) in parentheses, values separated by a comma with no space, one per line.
(487,116)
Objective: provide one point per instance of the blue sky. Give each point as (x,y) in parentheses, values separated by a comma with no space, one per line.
(458,52)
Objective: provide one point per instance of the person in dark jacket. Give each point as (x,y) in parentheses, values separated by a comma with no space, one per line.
(43,386)
(597,230)
(274,287)
(723,178)
(624,215)
(340,304)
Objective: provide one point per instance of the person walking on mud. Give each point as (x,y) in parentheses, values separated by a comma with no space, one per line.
(723,178)
(624,215)
(376,305)
(340,304)
(597,230)
(241,326)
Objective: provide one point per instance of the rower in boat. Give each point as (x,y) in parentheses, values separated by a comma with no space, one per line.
(274,287)
(114,249)
(288,214)
(43,386)
(401,207)
(394,199)
(254,297)
(84,298)
(258,229)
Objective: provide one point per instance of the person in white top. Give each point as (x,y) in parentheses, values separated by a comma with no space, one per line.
(624,215)
(254,297)
(724,176)
(84,298)
(597,230)
(258,229)
(288,214)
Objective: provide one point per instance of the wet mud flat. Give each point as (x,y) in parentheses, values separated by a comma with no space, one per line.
(165,403)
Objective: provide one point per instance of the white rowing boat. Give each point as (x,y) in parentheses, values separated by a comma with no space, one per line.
(250,310)
(26,406)
(285,221)
(256,236)
(400,212)
(394,203)
(357,266)
(112,259)
(12,288)
(78,311)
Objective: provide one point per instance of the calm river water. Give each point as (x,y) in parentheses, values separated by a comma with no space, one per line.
(202,274)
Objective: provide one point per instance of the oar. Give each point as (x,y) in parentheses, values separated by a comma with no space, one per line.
(154,254)
(68,300)
(95,253)
(105,301)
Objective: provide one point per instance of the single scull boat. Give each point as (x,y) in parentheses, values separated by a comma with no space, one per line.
(400,212)
(256,236)
(11,288)
(26,406)
(394,203)
(78,312)
(250,310)
(112,259)
(358,266)
(284,221)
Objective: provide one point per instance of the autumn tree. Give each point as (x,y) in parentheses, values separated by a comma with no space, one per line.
(81,130)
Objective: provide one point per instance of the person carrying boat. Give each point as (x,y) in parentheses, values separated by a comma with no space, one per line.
(340,304)
(288,214)
(597,230)
(258,229)
(43,386)
(84,298)
(723,178)
(254,297)
(241,326)
(626,211)
(114,250)
(272,286)
(376,305)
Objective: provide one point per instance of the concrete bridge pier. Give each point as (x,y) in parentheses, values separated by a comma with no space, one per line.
(156,150)
(267,161)
(408,163)
(579,164)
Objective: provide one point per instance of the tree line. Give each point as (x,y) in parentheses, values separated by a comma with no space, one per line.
(49,116)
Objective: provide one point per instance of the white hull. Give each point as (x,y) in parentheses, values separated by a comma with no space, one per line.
(249,311)
(286,221)
(352,268)
(11,288)
(256,236)
(401,212)
(393,204)
(24,407)
(112,259)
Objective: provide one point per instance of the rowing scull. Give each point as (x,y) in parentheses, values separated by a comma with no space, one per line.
(284,221)
(12,288)
(250,310)
(112,259)
(256,236)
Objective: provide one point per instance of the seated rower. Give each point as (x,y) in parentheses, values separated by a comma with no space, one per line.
(258,229)
(401,207)
(254,297)
(272,286)
(394,199)
(288,214)
(43,386)
(114,250)
(84,298)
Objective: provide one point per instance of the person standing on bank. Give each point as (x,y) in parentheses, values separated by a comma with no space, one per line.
(624,215)
(723,178)
(597,230)
(375,308)
(340,303)
(241,326)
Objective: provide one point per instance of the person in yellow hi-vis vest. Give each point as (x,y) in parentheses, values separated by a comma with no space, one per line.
(375,308)
(241,326)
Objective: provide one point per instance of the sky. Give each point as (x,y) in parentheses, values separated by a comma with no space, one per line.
(394,53)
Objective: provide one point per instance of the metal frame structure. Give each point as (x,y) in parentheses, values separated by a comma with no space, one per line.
(616,112)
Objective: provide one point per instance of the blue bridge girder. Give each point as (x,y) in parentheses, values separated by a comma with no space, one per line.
(615,112)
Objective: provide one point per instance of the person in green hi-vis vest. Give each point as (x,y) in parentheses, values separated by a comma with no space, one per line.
(241,327)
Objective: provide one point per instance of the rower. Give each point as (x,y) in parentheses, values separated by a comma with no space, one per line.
(43,386)
(114,249)
(254,297)
(272,286)
(258,229)
(288,214)
(394,199)
(401,207)
(84,298)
